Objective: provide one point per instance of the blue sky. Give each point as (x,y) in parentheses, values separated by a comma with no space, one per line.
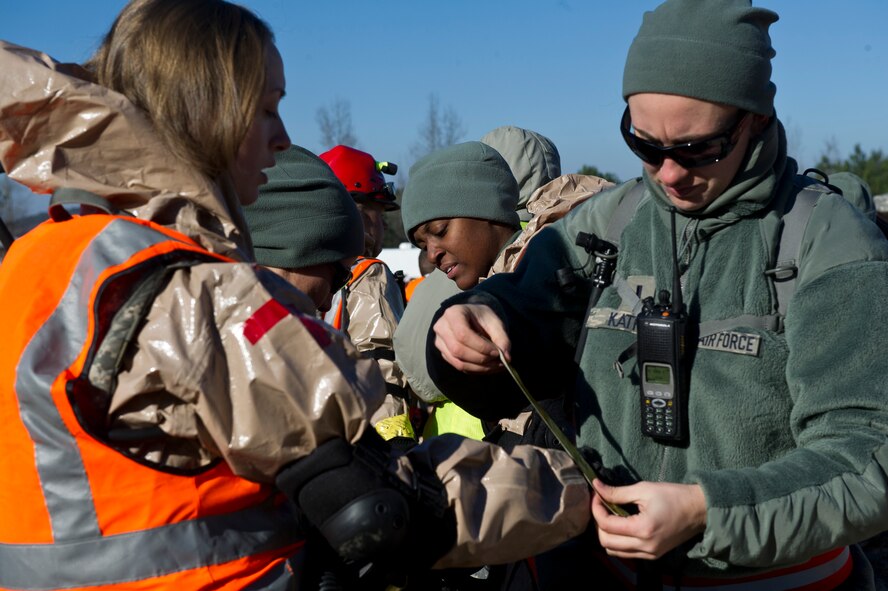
(547,65)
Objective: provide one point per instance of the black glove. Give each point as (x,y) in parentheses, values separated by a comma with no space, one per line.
(367,515)
(536,432)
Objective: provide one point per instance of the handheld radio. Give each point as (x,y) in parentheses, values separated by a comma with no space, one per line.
(662,333)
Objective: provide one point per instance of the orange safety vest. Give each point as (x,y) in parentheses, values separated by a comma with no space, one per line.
(336,316)
(411,285)
(76,512)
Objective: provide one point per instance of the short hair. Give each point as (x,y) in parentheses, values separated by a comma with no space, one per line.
(196,67)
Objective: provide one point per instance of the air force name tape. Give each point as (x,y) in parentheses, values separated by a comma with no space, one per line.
(731,341)
(728,341)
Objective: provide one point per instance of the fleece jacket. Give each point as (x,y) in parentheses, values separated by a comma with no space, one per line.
(788,423)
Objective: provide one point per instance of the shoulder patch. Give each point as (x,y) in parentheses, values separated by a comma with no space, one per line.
(263,320)
(272,312)
(730,341)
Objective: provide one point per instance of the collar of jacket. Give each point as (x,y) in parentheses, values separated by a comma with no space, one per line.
(502,249)
(757,182)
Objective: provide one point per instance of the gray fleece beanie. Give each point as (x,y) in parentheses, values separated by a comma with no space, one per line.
(532,157)
(470,180)
(713,50)
(304,215)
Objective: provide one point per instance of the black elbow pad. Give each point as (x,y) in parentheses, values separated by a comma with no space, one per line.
(366,514)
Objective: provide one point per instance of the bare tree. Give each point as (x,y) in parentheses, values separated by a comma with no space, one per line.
(441,128)
(336,124)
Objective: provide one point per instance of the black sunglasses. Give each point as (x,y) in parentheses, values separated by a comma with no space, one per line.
(688,155)
(339,278)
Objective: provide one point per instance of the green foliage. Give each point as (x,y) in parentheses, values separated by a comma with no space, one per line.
(872,167)
(589,170)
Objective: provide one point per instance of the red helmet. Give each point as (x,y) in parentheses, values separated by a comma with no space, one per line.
(362,175)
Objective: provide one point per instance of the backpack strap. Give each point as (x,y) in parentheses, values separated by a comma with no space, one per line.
(69,196)
(90,394)
(784,274)
(625,211)
(361,266)
(794,222)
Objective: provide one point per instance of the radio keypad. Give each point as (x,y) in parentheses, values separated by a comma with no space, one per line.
(659,413)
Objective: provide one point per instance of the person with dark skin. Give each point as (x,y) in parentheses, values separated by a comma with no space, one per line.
(471,229)
(467,228)
(168,398)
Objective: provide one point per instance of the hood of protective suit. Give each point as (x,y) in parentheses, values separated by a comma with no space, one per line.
(60,129)
(533,158)
(549,203)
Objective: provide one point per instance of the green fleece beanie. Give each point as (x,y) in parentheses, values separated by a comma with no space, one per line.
(470,180)
(713,50)
(304,215)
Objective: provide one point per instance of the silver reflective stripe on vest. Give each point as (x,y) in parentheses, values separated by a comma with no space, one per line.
(149,553)
(335,308)
(53,348)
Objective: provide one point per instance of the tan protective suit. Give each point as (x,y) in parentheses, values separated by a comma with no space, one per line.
(194,374)
(373,306)
(549,203)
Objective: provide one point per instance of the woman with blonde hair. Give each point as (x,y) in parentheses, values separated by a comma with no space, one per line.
(155,380)
(158,390)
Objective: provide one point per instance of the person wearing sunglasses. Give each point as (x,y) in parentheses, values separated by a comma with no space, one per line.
(783,465)
(305,227)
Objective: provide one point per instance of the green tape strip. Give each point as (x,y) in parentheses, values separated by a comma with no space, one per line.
(569,447)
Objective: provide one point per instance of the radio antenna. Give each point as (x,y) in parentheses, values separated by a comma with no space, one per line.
(677,303)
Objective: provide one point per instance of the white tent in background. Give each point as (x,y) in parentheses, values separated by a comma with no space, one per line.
(404,258)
